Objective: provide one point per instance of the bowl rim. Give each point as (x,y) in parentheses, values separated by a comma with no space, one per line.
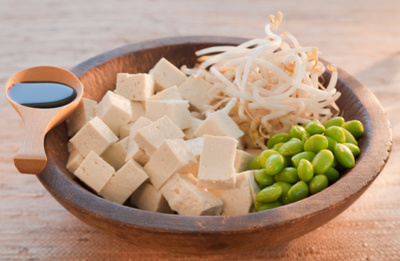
(378,138)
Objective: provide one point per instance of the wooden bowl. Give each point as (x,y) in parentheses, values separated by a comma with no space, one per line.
(211,234)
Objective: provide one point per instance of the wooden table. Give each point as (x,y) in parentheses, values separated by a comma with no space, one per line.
(362,37)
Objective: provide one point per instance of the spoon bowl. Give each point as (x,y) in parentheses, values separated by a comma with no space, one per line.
(31,158)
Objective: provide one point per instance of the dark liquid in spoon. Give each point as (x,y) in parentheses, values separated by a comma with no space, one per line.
(43,95)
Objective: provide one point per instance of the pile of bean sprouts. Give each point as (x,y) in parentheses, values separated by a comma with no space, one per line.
(267,85)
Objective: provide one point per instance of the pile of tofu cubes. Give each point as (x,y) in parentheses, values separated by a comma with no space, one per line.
(148,143)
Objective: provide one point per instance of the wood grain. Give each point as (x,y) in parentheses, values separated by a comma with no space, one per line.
(360,37)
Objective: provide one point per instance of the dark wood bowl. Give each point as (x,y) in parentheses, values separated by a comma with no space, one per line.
(211,234)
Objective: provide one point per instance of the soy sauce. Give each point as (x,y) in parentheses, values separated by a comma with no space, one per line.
(43,95)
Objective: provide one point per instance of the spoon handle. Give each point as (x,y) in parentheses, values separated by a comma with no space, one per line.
(31,157)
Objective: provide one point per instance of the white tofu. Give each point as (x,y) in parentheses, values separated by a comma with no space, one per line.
(242,160)
(115,110)
(176,110)
(195,146)
(237,200)
(83,113)
(149,138)
(253,185)
(172,156)
(171,93)
(166,75)
(134,151)
(138,110)
(147,197)
(216,167)
(70,147)
(195,123)
(254,152)
(125,181)
(124,130)
(74,161)
(187,199)
(135,87)
(219,124)
(198,92)
(94,172)
(115,154)
(94,136)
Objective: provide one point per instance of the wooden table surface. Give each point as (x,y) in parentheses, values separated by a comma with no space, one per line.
(362,37)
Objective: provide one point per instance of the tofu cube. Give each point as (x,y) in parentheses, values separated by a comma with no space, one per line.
(94,136)
(187,199)
(171,93)
(254,152)
(135,87)
(149,138)
(216,167)
(172,156)
(74,161)
(138,110)
(115,154)
(136,153)
(242,160)
(125,181)
(124,130)
(198,92)
(115,110)
(147,197)
(195,146)
(85,111)
(253,185)
(176,110)
(195,123)
(237,200)
(94,172)
(219,124)
(166,75)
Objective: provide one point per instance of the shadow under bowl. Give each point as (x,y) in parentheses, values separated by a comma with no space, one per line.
(211,234)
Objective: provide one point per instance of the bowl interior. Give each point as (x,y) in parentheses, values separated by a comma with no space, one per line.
(99,75)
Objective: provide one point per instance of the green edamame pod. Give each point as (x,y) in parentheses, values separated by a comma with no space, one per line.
(285,189)
(331,143)
(318,183)
(308,155)
(255,164)
(322,161)
(277,146)
(274,164)
(316,143)
(291,147)
(349,137)
(265,155)
(278,138)
(314,127)
(298,191)
(262,178)
(335,121)
(269,194)
(354,149)
(265,206)
(355,127)
(336,133)
(298,132)
(332,175)
(344,156)
(288,175)
(305,170)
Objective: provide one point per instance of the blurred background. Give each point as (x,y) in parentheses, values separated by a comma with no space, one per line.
(361,37)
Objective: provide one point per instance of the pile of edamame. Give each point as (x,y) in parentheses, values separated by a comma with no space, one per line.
(305,161)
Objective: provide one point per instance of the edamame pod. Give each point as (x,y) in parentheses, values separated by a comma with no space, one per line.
(349,137)
(332,175)
(274,164)
(269,194)
(291,147)
(316,143)
(278,138)
(318,183)
(255,164)
(308,155)
(298,191)
(305,170)
(265,155)
(298,132)
(288,175)
(265,206)
(285,189)
(336,133)
(331,143)
(322,161)
(262,178)
(335,121)
(314,127)
(355,127)
(344,156)
(354,148)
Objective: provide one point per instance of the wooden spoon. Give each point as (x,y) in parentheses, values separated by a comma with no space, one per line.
(31,158)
